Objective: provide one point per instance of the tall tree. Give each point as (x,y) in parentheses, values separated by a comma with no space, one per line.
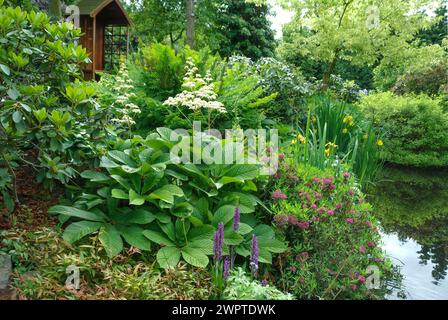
(439,31)
(361,32)
(244,28)
(191,21)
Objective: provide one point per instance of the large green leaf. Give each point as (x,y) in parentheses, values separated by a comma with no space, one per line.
(140,216)
(246,202)
(162,217)
(272,245)
(231,238)
(158,237)
(135,199)
(79,230)
(165,133)
(168,229)
(134,236)
(205,245)
(244,229)
(194,256)
(264,256)
(107,163)
(238,173)
(111,240)
(122,157)
(119,194)
(168,257)
(223,214)
(167,193)
(264,231)
(122,181)
(75,212)
(203,232)
(95,176)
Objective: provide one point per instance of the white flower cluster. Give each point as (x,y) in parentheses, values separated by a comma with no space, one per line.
(123,107)
(198,93)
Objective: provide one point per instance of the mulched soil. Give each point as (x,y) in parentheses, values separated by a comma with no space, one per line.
(31,212)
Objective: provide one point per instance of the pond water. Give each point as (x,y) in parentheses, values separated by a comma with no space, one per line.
(412,205)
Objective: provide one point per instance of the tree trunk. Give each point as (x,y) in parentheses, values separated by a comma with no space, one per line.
(191,20)
(55,9)
(329,71)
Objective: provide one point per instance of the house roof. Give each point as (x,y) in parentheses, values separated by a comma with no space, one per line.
(94,7)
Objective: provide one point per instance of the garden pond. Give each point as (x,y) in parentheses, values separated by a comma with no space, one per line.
(412,205)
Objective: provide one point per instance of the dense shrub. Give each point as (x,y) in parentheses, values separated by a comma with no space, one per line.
(143,198)
(429,81)
(415,128)
(47,119)
(244,97)
(292,89)
(346,90)
(160,69)
(332,235)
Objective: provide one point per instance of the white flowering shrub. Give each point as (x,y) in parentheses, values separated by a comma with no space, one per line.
(198,93)
(118,91)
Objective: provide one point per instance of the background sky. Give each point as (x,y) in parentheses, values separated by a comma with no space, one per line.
(281,17)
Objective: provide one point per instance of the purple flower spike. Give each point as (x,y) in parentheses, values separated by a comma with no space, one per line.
(226,271)
(217,242)
(264,283)
(236,219)
(254,254)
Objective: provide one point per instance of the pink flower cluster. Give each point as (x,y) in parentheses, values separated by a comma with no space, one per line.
(279,195)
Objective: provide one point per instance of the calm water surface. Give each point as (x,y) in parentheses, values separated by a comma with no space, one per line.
(412,206)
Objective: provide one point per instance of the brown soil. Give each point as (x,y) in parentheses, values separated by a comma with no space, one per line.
(34,200)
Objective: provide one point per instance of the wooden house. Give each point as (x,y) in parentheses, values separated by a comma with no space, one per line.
(105,26)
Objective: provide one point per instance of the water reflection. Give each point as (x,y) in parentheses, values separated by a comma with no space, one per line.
(413,208)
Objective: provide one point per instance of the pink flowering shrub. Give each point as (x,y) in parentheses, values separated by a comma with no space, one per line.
(332,235)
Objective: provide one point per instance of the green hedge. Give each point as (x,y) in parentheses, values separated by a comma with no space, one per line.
(415,128)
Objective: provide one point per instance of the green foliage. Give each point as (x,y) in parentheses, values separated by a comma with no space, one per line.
(290,86)
(414,60)
(242,94)
(144,197)
(437,32)
(41,258)
(415,128)
(164,71)
(45,116)
(163,68)
(333,236)
(244,29)
(429,81)
(6,190)
(338,30)
(241,287)
(336,135)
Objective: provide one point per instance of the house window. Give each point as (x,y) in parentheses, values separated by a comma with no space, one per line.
(115,45)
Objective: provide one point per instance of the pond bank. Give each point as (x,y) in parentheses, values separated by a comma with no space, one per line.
(412,205)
